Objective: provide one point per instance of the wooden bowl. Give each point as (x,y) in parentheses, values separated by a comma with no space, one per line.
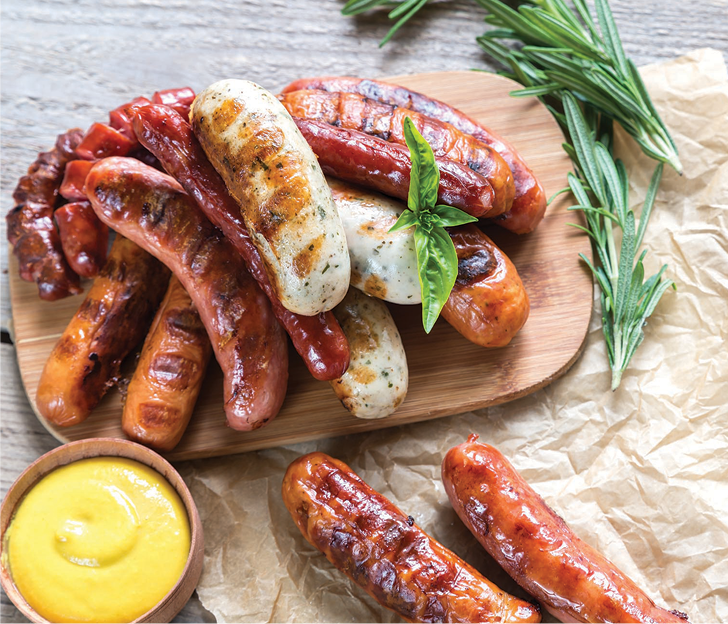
(180,593)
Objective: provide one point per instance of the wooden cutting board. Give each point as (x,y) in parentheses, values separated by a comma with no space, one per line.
(448,374)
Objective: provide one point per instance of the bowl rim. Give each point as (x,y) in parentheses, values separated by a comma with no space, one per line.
(104,447)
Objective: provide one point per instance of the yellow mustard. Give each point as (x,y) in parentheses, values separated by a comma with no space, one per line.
(98,540)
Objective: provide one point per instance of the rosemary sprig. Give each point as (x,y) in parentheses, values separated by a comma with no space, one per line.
(601,189)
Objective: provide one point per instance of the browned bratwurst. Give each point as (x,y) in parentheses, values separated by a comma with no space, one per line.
(356,112)
(151,208)
(112,319)
(168,378)
(376,545)
(488,303)
(536,547)
(31,230)
(529,204)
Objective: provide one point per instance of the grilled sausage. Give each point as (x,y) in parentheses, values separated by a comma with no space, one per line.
(385,167)
(382,550)
(84,239)
(536,547)
(375,384)
(488,303)
(356,112)
(318,339)
(285,202)
(168,378)
(152,209)
(383,263)
(529,204)
(110,322)
(30,227)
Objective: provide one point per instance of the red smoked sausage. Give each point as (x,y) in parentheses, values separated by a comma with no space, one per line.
(151,209)
(84,238)
(381,549)
(536,547)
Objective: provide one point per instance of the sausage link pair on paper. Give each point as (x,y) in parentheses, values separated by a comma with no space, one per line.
(318,339)
(381,549)
(529,204)
(356,112)
(110,322)
(30,225)
(151,208)
(536,547)
(376,382)
(488,304)
(168,378)
(285,203)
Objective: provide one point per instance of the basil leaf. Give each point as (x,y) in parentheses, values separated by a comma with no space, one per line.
(437,264)
(450,217)
(406,219)
(425,176)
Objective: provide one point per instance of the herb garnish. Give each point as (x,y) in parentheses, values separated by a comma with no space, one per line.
(437,260)
(570,60)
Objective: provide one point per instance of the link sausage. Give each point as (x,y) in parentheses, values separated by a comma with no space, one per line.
(488,303)
(385,167)
(376,382)
(536,547)
(168,378)
(382,550)
(85,240)
(356,112)
(110,322)
(272,173)
(318,339)
(529,204)
(30,227)
(152,209)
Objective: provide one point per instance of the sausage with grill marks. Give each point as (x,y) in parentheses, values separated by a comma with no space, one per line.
(529,204)
(152,209)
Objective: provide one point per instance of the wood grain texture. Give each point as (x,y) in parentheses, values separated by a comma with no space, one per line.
(448,374)
(66,62)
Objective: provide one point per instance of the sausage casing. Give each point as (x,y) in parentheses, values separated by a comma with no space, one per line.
(270,170)
(536,547)
(488,303)
(383,263)
(385,167)
(529,204)
(356,112)
(152,209)
(164,388)
(31,230)
(375,383)
(84,239)
(382,550)
(110,322)
(318,339)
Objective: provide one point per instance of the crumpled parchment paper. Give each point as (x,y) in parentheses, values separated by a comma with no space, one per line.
(641,474)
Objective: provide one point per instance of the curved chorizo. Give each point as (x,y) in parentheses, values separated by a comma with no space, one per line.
(536,547)
(382,550)
(152,209)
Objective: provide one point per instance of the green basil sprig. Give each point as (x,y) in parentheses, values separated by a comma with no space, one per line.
(437,260)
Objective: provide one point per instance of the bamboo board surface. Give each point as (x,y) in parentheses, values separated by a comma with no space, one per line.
(448,374)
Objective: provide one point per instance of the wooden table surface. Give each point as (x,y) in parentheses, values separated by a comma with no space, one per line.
(66,63)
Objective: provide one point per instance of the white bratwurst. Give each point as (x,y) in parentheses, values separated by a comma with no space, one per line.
(285,202)
(383,263)
(375,384)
